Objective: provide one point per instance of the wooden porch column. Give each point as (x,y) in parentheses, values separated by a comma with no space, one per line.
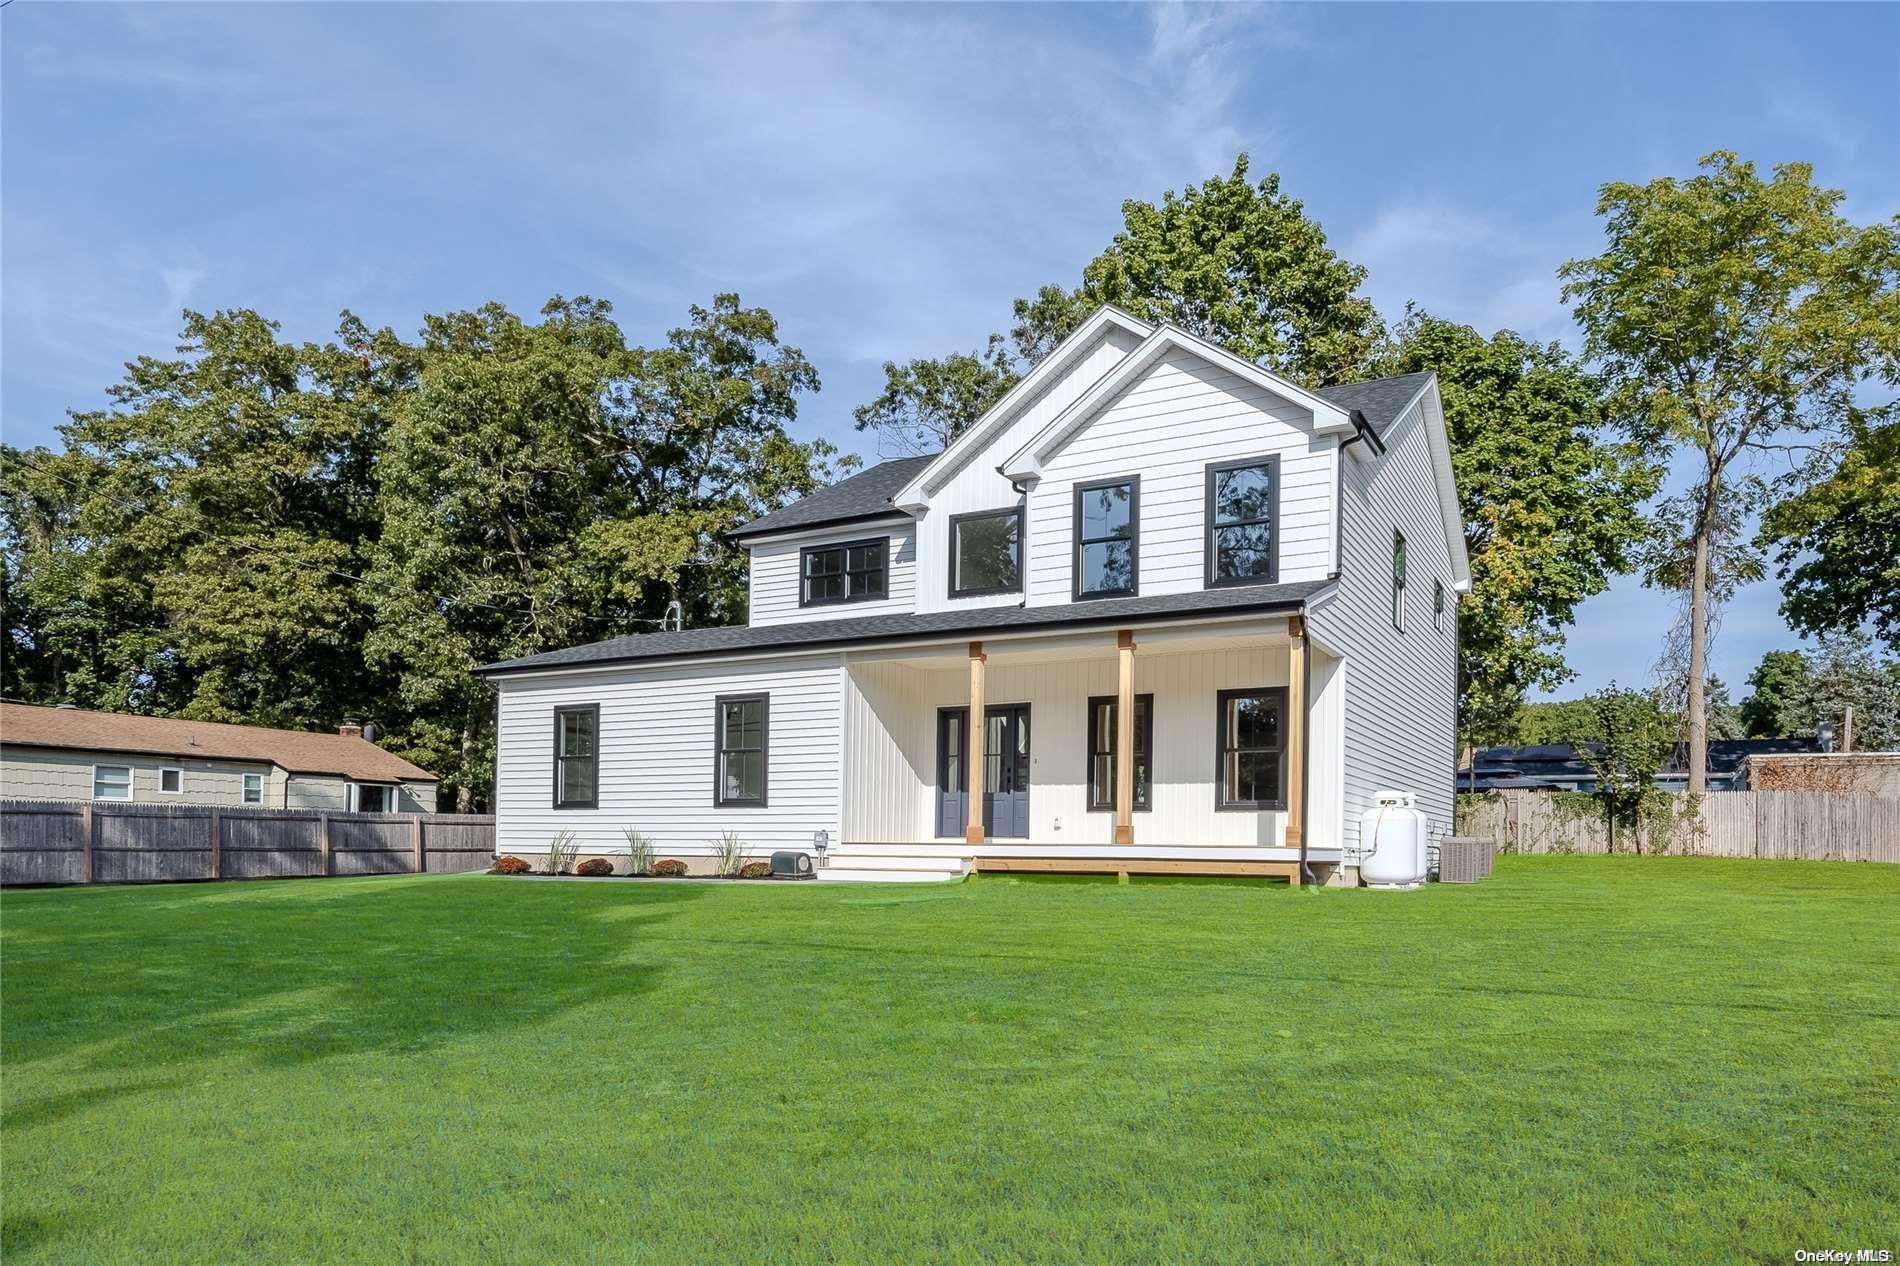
(1296,731)
(975,744)
(1125,739)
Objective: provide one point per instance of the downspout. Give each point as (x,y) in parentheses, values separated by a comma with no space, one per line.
(1306,751)
(1022,490)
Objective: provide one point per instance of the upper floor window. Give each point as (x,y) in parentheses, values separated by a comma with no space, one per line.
(577,757)
(1104,731)
(1438,605)
(1250,749)
(1398,581)
(850,572)
(1107,518)
(739,759)
(986,552)
(1242,498)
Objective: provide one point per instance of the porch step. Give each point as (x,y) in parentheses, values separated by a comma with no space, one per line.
(862,857)
(885,875)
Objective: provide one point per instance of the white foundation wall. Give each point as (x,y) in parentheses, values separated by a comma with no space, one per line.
(656,757)
(891,746)
(1167,427)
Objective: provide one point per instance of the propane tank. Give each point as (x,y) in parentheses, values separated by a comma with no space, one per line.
(1392,841)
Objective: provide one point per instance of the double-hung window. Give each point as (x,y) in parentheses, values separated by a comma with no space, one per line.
(252,789)
(854,571)
(1104,716)
(986,552)
(1250,749)
(1398,581)
(111,782)
(577,757)
(1107,545)
(171,782)
(1242,498)
(742,739)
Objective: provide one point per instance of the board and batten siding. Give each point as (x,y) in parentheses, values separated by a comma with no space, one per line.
(977,485)
(891,747)
(776,579)
(1401,687)
(1176,419)
(656,757)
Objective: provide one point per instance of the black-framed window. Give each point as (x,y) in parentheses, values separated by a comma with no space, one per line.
(742,724)
(850,571)
(1103,730)
(1398,581)
(1438,605)
(986,552)
(1243,503)
(1107,538)
(1250,749)
(577,757)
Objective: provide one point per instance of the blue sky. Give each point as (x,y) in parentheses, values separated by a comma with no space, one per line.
(885,180)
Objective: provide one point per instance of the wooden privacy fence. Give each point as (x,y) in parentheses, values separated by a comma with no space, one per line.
(61,842)
(1810,825)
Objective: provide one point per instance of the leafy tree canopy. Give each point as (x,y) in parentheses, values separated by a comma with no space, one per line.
(1794,692)
(1837,542)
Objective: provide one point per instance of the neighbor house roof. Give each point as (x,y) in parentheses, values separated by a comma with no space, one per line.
(865,495)
(299,751)
(729,639)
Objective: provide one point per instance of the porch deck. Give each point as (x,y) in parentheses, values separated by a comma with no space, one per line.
(887,863)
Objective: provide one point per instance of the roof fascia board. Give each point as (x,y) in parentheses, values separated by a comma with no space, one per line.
(1026,462)
(1433,410)
(856,521)
(1243,615)
(914,495)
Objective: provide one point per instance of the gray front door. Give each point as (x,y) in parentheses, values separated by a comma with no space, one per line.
(1005,772)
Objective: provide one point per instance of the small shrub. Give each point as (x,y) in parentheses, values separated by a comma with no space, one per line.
(669,868)
(561,851)
(728,853)
(595,866)
(756,870)
(639,852)
(509,865)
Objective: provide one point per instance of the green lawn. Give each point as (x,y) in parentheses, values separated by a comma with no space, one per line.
(1609,1059)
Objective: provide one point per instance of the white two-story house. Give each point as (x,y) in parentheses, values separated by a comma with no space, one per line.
(1157,610)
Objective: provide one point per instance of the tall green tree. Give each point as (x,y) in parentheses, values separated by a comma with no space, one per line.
(1549,502)
(547,484)
(1837,541)
(1236,261)
(192,551)
(1730,313)
(1780,701)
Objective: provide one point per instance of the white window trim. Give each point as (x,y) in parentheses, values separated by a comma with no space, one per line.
(129,789)
(244,786)
(171,769)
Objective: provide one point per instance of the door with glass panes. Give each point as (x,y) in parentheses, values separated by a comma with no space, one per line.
(1005,772)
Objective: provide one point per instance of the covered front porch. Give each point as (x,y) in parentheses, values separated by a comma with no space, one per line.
(1191,747)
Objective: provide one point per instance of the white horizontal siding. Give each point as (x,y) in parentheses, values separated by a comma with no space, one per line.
(656,757)
(1401,697)
(892,737)
(776,579)
(1175,420)
(978,485)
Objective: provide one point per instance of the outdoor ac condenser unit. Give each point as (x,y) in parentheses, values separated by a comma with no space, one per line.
(787,864)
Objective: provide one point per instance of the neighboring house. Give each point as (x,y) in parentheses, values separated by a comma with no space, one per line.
(1560,766)
(1201,613)
(72,754)
(1875,773)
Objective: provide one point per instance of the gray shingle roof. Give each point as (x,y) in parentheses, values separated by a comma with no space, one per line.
(1380,399)
(731,639)
(864,495)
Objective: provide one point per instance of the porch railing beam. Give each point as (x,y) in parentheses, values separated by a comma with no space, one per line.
(1125,739)
(976,737)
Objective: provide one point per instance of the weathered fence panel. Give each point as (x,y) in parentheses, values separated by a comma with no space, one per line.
(60,842)
(1801,825)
